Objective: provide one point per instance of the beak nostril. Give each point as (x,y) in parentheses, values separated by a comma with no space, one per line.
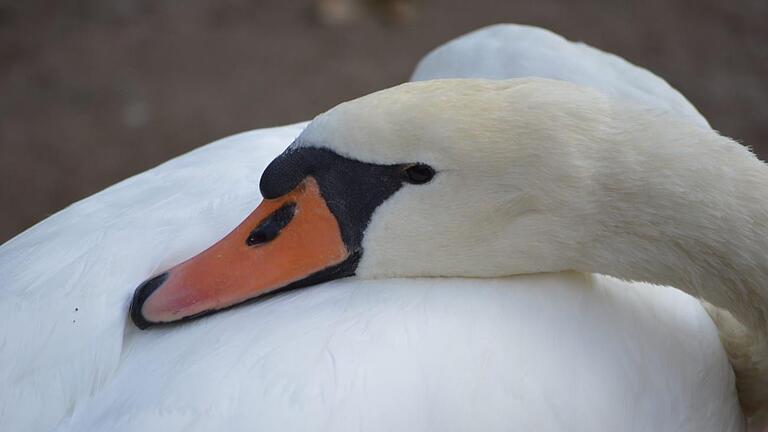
(270,227)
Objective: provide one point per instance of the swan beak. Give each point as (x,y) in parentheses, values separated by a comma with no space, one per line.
(287,242)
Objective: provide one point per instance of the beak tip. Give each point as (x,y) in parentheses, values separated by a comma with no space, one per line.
(139,321)
(141,294)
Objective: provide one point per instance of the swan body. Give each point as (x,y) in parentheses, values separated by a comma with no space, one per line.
(542,352)
(428,354)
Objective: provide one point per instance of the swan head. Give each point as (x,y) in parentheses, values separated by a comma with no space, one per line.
(473,178)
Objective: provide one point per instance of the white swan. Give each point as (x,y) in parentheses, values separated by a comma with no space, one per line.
(537,352)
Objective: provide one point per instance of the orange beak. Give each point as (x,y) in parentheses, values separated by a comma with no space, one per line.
(282,243)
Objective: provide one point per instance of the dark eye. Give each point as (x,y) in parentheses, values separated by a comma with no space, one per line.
(418,173)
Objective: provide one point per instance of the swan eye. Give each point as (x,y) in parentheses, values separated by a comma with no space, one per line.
(418,173)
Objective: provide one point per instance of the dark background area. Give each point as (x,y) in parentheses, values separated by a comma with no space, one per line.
(94,91)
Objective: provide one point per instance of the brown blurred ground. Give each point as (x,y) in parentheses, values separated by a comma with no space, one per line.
(93,91)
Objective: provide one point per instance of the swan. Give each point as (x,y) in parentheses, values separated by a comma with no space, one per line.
(454,354)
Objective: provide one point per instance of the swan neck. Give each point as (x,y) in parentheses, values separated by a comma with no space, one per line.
(691,214)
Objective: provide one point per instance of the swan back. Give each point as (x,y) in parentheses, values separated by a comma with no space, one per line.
(505,51)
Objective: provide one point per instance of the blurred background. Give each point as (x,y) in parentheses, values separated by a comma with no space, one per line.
(94,91)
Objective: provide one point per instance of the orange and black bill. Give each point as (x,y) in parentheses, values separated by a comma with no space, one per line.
(308,230)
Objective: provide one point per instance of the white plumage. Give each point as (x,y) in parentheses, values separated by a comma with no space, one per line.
(549,352)
(504,51)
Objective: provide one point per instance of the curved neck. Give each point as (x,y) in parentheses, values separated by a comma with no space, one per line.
(686,208)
